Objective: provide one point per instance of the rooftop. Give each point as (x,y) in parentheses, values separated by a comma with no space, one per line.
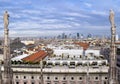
(36,57)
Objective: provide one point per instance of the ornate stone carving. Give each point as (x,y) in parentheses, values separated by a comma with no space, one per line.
(111,18)
(6,19)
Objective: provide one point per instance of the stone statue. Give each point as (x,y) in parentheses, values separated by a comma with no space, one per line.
(111,18)
(6,19)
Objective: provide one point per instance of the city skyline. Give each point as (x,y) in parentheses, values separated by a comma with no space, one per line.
(50,18)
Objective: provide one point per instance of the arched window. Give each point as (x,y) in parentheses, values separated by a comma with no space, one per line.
(16,76)
(32,77)
(80,78)
(64,78)
(48,78)
(56,78)
(24,77)
(72,78)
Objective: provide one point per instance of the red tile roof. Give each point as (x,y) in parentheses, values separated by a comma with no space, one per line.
(84,45)
(36,57)
(118,43)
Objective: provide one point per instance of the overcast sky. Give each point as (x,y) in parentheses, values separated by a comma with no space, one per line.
(52,17)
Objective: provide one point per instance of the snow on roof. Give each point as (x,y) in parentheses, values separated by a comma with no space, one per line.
(20,57)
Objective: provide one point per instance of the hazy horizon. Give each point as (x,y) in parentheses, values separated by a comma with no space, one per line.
(36,18)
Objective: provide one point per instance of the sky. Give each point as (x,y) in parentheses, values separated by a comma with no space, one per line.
(36,18)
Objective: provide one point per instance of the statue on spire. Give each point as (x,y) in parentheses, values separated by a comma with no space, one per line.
(6,19)
(111,18)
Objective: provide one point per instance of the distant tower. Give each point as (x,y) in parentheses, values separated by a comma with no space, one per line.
(81,36)
(117,37)
(63,35)
(112,71)
(7,79)
(78,36)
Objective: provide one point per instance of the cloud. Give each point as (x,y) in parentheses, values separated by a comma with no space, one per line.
(24,33)
(45,17)
(34,25)
(5,0)
(31,33)
(50,21)
(9,8)
(103,13)
(76,14)
(23,2)
(88,5)
(14,15)
(1,17)
(95,27)
(31,11)
(69,18)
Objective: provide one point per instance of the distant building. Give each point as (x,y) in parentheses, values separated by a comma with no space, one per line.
(117,38)
(28,42)
(64,66)
(62,72)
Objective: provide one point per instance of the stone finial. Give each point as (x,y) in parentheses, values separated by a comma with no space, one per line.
(6,19)
(111,18)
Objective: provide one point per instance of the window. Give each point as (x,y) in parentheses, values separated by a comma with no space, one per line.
(96,78)
(72,78)
(16,76)
(56,78)
(96,83)
(17,82)
(25,82)
(105,82)
(48,78)
(64,78)
(105,77)
(80,56)
(32,83)
(32,77)
(24,77)
(80,78)
(56,83)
